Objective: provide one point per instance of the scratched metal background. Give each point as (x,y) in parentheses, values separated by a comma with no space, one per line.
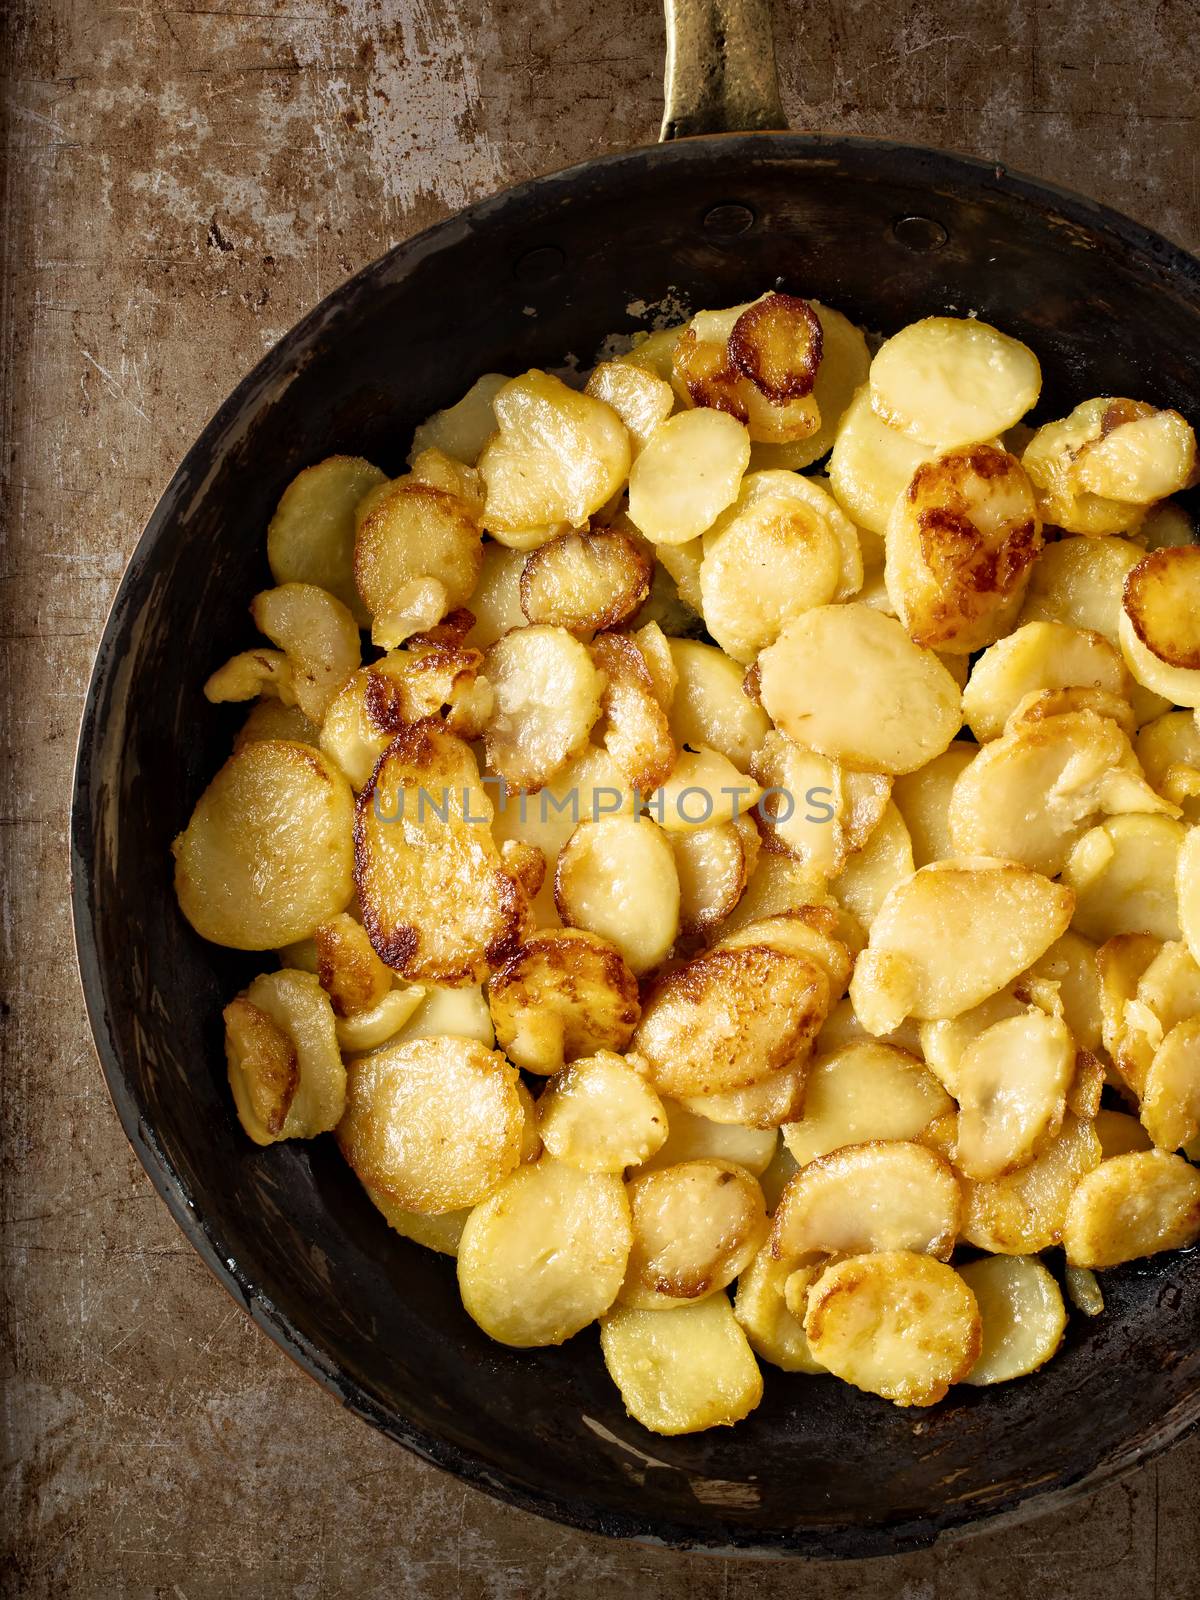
(180,184)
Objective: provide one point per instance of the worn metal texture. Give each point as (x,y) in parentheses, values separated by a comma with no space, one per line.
(180,186)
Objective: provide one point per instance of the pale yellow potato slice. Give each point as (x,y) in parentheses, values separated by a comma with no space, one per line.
(813,932)
(635,731)
(367,1030)
(602,1115)
(250,674)
(961,542)
(271,719)
(765,1105)
(1122,874)
(1167,994)
(444,1011)
(775,1332)
(781,1170)
(311,536)
(654,351)
(417,556)
(695,1227)
(684,1370)
(557,455)
(884,861)
(1024,1211)
(435,1124)
(1119,1133)
(548,695)
(1166,524)
(563,993)
(462,430)
(865,1091)
(1011,1086)
(1037,656)
(777,884)
(639,397)
(1044,703)
(845,364)
(281,1051)
(842,1027)
(810,495)
(1187,882)
(872,464)
(804,804)
(1023,1316)
(1070,964)
(351,974)
(655,647)
(896,1324)
(267,854)
(728,1019)
(1049,459)
(1168,749)
(1158,627)
(585,581)
(892,710)
(1171,1093)
(1083,1290)
(682,563)
(713,865)
(953,381)
(703,790)
(1132,1206)
(441,1233)
(617,878)
(443,471)
(1142,460)
(882,1195)
(545,1253)
(942,1042)
(691,1136)
(923,801)
(495,601)
(1078,582)
(1121,961)
(953,934)
(688,473)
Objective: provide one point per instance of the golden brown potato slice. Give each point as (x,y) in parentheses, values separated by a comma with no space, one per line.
(319,636)
(281,1051)
(601,1114)
(1122,874)
(872,464)
(1132,1206)
(845,363)
(351,974)
(1078,582)
(953,381)
(640,397)
(1049,459)
(892,1195)
(1011,1087)
(271,719)
(1023,1316)
(691,1136)
(434,466)
(311,536)
(961,541)
(953,934)
(545,1253)
(897,710)
(1187,889)
(267,854)
(729,1018)
(548,695)
(713,866)
(684,1370)
(462,430)
(1169,751)
(1037,656)
(440,1233)
(563,993)
(863,1093)
(809,931)
(775,1332)
(706,372)
(1171,1095)
(617,878)
(434,1124)
(1158,627)
(557,457)
(686,476)
(417,555)
(695,1227)
(709,708)
(1144,457)
(1023,1212)
(765,1105)
(253,673)
(437,902)
(636,732)
(896,1324)
(923,801)
(586,581)
(873,872)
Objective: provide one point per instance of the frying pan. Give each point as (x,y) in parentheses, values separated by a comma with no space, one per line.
(886,233)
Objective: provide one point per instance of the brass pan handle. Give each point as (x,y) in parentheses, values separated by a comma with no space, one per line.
(720,75)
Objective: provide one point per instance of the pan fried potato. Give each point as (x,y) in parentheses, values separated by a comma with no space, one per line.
(1167,994)
(943,1042)
(311,536)
(1024,1211)
(437,902)
(686,476)
(1023,1316)
(709,707)
(351,974)
(441,1233)
(845,364)
(811,808)
(1036,657)
(1168,749)
(462,430)
(1011,1087)
(929,955)
(635,732)
(1131,1206)
(1049,458)
(1171,1093)
(655,647)
(417,555)
(435,1124)
(961,542)
(777,884)
(766,1105)
(434,466)
(1122,874)
(893,1195)
(953,381)
(557,456)
(380,1023)
(775,1332)
(842,1027)
(1143,458)
(684,1370)
(923,801)
(610,867)
(723,360)
(815,932)
(873,872)
(897,1324)
(545,1253)
(727,1019)
(1187,885)
(898,710)
(864,1093)
(319,636)
(585,581)
(639,397)
(285,1071)
(462,1012)
(601,1115)
(872,464)
(704,789)
(252,674)
(1121,962)
(1119,1133)
(495,602)
(563,993)
(271,719)
(1070,964)
(267,854)
(548,695)
(1158,630)
(695,1227)
(713,865)
(1078,582)
(691,1136)
(681,562)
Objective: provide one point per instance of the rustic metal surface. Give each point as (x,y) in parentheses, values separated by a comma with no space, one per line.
(180,186)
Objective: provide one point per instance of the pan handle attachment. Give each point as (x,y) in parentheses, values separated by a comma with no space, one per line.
(720,75)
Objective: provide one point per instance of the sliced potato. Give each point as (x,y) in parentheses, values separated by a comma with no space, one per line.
(617,878)
(953,381)
(682,564)
(351,974)
(271,719)
(601,1115)
(545,1253)
(1023,1316)
(639,397)
(1187,887)
(765,1105)
(864,1092)
(1122,874)
(845,364)
(873,872)
(691,1136)
(1142,459)
(443,1011)
(635,732)
(267,854)
(367,1030)
(923,801)
(443,471)
(695,1227)
(281,1051)
(311,536)
(253,673)
(655,647)
(804,804)
(417,556)
(872,464)
(1049,458)
(1011,1087)
(496,599)
(686,476)
(1131,1206)
(942,1042)
(1038,656)
(1168,749)
(775,1332)
(1158,630)
(434,1124)
(441,1233)
(1171,1094)
(684,1370)
(1070,964)
(703,790)
(586,581)
(1024,1211)
(1078,583)
(713,865)
(896,1324)
(548,695)
(1167,994)
(892,1195)
(1120,1133)
(777,884)
(563,993)
(1120,963)
(717,363)
(842,1027)
(896,711)
(462,430)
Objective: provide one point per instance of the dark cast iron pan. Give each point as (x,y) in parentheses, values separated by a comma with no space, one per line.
(885,232)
